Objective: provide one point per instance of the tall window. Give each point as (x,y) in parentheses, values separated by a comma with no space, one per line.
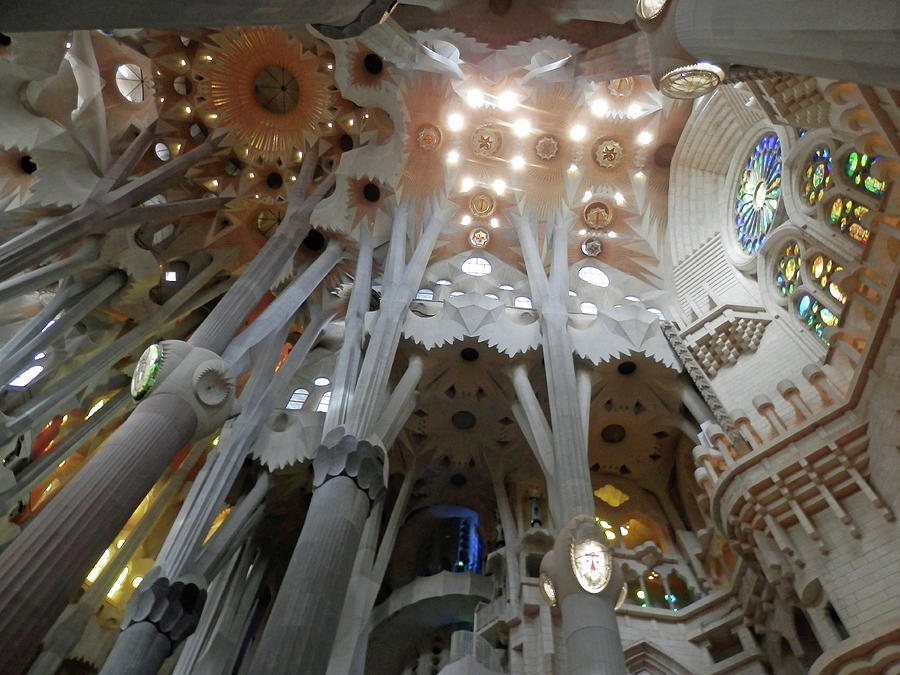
(817,175)
(297,399)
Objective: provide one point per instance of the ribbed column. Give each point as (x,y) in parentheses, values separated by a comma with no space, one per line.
(826,38)
(304,619)
(45,565)
(592,639)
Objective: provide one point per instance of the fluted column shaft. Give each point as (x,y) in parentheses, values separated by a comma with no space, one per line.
(827,38)
(304,620)
(44,566)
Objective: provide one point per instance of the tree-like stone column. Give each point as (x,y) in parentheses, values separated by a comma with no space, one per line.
(349,477)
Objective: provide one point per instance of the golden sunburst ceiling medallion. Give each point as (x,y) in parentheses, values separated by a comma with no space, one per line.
(597,215)
(428,137)
(486,140)
(607,153)
(482,205)
(266,92)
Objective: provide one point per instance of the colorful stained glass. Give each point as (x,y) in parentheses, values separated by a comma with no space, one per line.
(857,168)
(787,276)
(815,316)
(845,214)
(758,194)
(817,175)
(821,269)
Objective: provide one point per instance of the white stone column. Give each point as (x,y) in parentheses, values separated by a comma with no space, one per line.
(827,38)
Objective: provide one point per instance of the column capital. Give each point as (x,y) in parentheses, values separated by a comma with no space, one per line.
(362,461)
(173,607)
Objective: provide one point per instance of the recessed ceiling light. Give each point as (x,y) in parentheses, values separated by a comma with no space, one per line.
(599,107)
(495,222)
(639,175)
(452,157)
(467,184)
(475,98)
(611,235)
(455,121)
(645,138)
(507,100)
(582,231)
(521,127)
(518,162)
(499,186)
(620,198)
(586,197)
(573,168)
(634,110)
(466,219)
(577,132)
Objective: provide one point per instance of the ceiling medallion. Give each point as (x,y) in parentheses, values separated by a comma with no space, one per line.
(479,238)
(546,148)
(486,140)
(592,247)
(597,215)
(620,87)
(607,153)
(428,137)
(691,81)
(482,205)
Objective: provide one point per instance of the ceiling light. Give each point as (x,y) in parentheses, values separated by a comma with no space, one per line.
(599,107)
(507,100)
(521,127)
(467,184)
(466,219)
(187,109)
(577,132)
(495,222)
(171,276)
(452,157)
(572,168)
(645,138)
(499,186)
(330,66)
(634,110)
(609,534)
(587,196)
(582,231)
(639,175)
(620,198)
(611,235)
(475,98)
(518,162)
(455,121)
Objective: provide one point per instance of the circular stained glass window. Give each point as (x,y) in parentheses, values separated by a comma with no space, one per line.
(479,238)
(758,194)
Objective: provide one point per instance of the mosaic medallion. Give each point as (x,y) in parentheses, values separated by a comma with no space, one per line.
(546,148)
(620,87)
(597,215)
(479,237)
(486,140)
(607,153)
(482,205)
(592,247)
(428,137)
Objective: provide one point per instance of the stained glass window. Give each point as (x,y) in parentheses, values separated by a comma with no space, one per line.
(857,168)
(817,175)
(845,214)
(758,194)
(816,316)
(821,268)
(787,275)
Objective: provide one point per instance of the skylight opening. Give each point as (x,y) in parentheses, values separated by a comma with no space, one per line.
(588,308)
(594,276)
(321,381)
(26,377)
(476,267)
(523,302)
(425,294)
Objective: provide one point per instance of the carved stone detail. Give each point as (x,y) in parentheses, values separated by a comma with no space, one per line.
(361,461)
(174,607)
